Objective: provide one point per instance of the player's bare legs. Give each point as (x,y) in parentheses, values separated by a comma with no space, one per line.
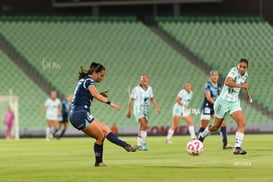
(95,131)
(175,122)
(172,128)
(239,118)
(100,131)
(142,134)
(215,126)
(223,132)
(204,123)
(63,126)
(51,123)
(190,123)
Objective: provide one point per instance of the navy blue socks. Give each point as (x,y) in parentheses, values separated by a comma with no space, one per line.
(201,130)
(114,139)
(223,132)
(98,149)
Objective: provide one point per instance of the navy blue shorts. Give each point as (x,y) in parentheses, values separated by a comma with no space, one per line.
(80,119)
(64,118)
(206,110)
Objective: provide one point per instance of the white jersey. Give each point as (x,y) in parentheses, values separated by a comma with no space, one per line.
(231,94)
(185,96)
(52,108)
(179,110)
(142,99)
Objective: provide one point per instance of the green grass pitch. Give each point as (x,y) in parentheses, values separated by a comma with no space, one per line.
(72,160)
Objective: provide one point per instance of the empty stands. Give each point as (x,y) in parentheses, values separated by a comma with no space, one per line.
(57,47)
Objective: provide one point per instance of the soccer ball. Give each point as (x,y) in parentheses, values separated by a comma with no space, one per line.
(194,147)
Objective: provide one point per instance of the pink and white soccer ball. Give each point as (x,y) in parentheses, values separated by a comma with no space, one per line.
(194,147)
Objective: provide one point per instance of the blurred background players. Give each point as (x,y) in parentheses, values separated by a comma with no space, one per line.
(211,92)
(9,120)
(53,112)
(63,122)
(140,97)
(181,109)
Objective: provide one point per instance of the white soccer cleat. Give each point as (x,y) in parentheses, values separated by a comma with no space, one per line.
(168,141)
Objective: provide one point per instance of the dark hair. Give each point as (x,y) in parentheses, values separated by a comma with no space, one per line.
(94,67)
(244,61)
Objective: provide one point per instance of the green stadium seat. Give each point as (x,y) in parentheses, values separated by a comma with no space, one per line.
(31,97)
(127,48)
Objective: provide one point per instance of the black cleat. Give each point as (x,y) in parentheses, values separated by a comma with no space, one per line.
(227,146)
(239,151)
(100,164)
(200,138)
(129,148)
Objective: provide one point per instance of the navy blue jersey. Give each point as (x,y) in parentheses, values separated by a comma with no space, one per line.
(82,98)
(214,93)
(65,107)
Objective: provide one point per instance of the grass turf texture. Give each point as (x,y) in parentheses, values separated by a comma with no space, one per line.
(72,159)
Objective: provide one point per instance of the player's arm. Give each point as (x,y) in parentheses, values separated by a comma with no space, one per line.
(42,110)
(153,100)
(178,100)
(248,96)
(208,97)
(93,91)
(104,93)
(60,109)
(230,82)
(130,104)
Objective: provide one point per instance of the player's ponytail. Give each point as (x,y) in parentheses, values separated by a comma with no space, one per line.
(83,73)
(94,67)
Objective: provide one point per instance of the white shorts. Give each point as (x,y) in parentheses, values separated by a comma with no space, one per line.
(52,117)
(221,107)
(140,114)
(180,111)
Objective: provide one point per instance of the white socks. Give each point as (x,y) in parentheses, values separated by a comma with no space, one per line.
(192,132)
(238,139)
(170,134)
(142,138)
(143,135)
(205,133)
(47,133)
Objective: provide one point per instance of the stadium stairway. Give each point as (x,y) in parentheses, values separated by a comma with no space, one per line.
(26,67)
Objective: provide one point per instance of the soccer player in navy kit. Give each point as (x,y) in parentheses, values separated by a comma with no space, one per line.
(66,107)
(81,118)
(211,92)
